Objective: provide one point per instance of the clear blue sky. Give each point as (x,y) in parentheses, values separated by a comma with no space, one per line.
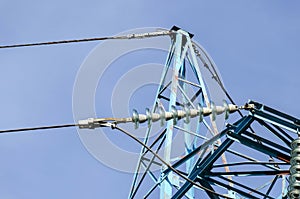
(255,45)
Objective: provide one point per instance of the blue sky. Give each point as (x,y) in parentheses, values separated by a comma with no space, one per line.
(255,45)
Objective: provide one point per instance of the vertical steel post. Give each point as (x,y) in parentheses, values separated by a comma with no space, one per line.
(162,82)
(166,187)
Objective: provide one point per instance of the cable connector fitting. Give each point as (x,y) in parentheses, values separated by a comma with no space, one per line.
(248,106)
(89,123)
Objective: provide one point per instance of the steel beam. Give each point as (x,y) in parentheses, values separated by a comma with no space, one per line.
(203,166)
(166,186)
(259,147)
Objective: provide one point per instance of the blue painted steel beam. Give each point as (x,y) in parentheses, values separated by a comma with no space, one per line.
(168,99)
(180,47)
(249,163)
(189,140)
(205,184)
(275,117)
(135,187)
(282,137)
(268,142)
(262,107)
(151,161)
(162,82)
(271,186)
(197,150)
(203,166)
(247,195)
(275,120)
(161,136)
(248,173)
(244,186)
(203,146)
(283,132)
(251,159)
(259,147)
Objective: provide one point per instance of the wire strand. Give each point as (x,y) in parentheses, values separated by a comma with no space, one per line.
(38,128)
(129,36)
(56,42)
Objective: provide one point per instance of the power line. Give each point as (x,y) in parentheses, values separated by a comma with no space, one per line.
(129,36)
(38,128)
(55,42)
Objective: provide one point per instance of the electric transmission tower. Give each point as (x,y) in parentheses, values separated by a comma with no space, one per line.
(193,154)
(215,162)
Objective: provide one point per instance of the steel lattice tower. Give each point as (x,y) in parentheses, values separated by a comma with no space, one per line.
(215,161)
(255,156)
